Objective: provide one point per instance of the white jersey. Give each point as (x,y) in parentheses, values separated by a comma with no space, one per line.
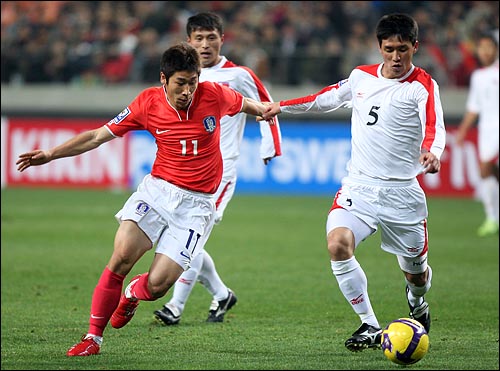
(483,100)
(392,121)
(243,80)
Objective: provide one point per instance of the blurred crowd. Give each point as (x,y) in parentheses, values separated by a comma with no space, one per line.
(285,42)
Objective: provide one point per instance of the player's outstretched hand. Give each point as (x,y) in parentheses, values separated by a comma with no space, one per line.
(272,109)
(33,158)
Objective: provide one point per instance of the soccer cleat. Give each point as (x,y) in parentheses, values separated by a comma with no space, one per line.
(168,315)
(488,228)
(124,312)
(219,308)
(366,336)
(422,315)
(86,347)
(126,307)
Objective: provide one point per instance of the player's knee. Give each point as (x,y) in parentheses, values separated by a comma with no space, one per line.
(340,245)
(159,290)
(158,285)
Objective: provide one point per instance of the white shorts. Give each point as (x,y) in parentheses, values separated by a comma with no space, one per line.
(224,193)
(399,209)
(178,221)
(487,143)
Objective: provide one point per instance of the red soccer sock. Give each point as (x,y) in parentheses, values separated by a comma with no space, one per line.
(140,289)
(105,300)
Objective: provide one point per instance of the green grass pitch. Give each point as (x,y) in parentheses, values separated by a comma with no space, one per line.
(271,251)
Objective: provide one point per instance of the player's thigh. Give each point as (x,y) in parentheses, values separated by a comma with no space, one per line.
(189,226)
(145,217)
(404,240)
(131,240)
(341,218)
(413,265)
(164,272)
(182,245)
(353,208)
(403,223)
(488,144)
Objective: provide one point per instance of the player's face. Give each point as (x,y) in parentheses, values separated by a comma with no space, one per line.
(398,56)
(486,51)
(180,88)
(208,43)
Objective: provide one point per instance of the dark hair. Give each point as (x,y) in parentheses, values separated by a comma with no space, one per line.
(180,57)
(400,25)
(489,36)
(204,21)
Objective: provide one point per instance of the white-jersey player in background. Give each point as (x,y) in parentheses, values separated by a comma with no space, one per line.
(205,33)
(397,133)
(482,104)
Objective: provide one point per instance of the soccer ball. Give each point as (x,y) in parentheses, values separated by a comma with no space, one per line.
(405,341)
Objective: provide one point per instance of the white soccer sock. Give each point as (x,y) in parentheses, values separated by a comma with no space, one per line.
(354,285)
(489,197)
(97,339)
(211,280)
(186,282)
(416,294)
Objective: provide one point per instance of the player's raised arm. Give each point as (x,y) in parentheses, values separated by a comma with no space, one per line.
(79,144)
(253,107)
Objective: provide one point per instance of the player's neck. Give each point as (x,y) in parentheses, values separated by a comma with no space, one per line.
(216,62)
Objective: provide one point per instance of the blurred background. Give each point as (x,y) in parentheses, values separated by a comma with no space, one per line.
(285,42)
(88,59)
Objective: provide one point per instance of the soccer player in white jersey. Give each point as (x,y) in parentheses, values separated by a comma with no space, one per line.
(205,32)
(397,133)
(482,104)
(173,208)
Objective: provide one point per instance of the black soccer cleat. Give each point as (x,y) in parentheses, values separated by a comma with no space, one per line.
(366,336)
(421,313)
(219,308)
(168,315)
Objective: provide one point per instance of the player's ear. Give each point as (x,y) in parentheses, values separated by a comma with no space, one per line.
(163,78)
(415,47)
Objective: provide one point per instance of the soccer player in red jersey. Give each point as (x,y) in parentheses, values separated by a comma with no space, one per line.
(398,133)
(173,208)
(205,32)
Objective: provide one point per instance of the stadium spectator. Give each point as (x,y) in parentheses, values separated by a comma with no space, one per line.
(482,108)
(397,133)
(205,32)
(173,208)
(290,52)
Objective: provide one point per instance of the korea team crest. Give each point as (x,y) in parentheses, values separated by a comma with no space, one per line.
(210,123)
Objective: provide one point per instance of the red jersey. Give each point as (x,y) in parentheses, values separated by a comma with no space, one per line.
(188,141)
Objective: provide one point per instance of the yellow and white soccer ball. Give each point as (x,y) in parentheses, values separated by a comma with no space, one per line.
(405,341)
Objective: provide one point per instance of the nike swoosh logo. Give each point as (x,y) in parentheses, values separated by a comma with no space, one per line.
(161,131)
(95,317)
(128,289)
(219,312)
